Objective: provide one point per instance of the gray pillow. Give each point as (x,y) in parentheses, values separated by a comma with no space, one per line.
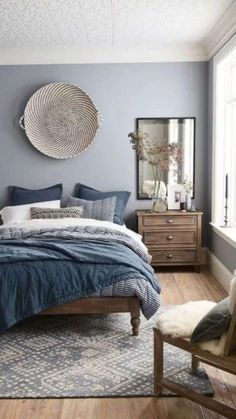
(56,213)
(90,194)
(214,324)
(102,209)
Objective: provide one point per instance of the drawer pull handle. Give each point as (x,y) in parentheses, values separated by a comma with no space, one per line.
(170,221)
(169,237)
(170,256)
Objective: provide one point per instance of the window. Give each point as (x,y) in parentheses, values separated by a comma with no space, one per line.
(224,136)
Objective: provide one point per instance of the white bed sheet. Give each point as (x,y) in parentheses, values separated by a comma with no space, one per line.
(67,222)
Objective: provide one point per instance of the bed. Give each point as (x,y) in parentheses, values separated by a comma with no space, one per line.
(72,266)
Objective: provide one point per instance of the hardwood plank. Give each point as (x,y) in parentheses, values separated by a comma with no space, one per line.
(171,293)
(125,408)
(177,287)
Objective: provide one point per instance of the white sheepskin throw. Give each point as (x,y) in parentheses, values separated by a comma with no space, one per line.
(215,346)
(181,320)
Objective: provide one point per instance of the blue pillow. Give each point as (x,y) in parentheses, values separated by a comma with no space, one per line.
(90,194)
(21,196)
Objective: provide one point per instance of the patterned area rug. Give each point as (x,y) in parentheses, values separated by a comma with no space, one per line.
(86,356)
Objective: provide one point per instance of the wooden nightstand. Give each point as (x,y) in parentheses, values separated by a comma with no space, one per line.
(173,238)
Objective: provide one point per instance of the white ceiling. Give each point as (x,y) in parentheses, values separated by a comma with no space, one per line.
(94,30)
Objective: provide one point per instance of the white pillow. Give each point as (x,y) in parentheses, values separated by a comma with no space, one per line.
(18,213)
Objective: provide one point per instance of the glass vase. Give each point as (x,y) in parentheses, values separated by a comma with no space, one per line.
(158,205)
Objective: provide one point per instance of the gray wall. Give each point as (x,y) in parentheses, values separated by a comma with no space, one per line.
(217,245)
(121,92)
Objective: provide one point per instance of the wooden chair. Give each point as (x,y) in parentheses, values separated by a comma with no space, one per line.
(225,363)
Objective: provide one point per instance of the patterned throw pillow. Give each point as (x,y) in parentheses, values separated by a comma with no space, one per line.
(52,213)
(102,209)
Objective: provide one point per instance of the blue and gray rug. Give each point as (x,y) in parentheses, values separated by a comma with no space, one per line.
(86,356)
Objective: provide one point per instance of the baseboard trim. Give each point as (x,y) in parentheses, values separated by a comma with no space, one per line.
(218,270)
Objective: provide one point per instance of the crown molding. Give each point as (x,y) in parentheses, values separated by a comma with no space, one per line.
(164,53)
(222,32)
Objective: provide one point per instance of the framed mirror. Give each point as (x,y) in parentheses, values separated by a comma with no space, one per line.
(167,130)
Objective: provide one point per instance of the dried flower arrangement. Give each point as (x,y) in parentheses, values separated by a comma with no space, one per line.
(160,154)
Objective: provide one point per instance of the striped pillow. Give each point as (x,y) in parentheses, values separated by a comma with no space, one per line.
(102,209)
(54,213)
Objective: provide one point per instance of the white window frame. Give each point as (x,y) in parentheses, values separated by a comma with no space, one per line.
(229,234)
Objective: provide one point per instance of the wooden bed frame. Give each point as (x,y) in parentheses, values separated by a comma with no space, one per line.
(103,305)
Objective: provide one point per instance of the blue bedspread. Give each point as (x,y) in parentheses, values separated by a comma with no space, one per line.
(42,269)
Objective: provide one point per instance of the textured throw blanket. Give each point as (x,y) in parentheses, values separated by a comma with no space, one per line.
(45,267)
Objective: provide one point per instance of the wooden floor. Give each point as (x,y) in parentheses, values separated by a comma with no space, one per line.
(177,288)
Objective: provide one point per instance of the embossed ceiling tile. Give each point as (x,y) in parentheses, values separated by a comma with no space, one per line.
(35,17)
(68,20)
(131,22)
(194,26)
(166,20)
(12,33)
(98,21)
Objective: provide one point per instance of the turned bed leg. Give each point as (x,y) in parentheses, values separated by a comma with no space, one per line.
(135,322)
(135,317)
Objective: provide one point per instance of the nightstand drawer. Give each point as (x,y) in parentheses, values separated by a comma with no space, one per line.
(170,237)
(173,256)
(169,220)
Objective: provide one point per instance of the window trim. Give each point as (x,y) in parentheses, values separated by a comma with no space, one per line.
(227,49)
(228,234)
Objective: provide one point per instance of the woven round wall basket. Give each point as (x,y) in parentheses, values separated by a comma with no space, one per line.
(60,120)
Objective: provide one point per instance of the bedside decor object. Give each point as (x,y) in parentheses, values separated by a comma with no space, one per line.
(158,205)
(175,196)
(60,120)
(160,156)
(181,132)
(188,189)
(183,206)
(193,208)
(173,238)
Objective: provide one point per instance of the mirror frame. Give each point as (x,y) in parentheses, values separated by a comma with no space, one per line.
(194,150)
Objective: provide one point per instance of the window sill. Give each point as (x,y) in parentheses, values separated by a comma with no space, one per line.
(228,234)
